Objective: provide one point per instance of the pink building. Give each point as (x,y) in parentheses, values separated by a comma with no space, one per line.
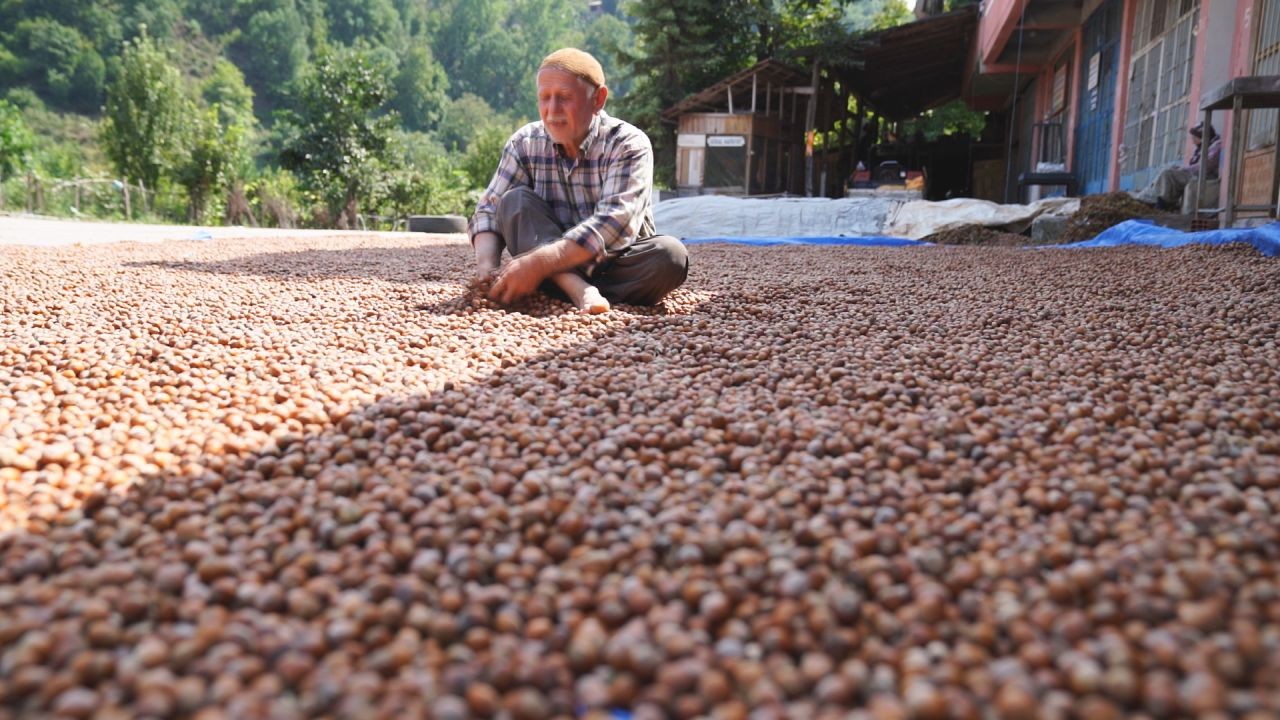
(1108,88)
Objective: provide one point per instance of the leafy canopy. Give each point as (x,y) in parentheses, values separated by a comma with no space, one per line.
(341,133)
(146,113)
(16,141)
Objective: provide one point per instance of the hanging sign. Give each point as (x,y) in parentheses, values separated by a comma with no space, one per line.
(696,140)
(1095,62)
(1060,88)
(726,141)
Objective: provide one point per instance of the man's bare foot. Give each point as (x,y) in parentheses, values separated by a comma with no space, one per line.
(591,302)
(583,294)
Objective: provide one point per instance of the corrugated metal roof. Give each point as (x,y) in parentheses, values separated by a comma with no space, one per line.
(715,98)
(899,72)
(905,70)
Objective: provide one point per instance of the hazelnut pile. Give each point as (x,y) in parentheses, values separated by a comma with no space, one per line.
(272,479)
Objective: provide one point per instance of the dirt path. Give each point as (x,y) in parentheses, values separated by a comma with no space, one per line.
(47,232)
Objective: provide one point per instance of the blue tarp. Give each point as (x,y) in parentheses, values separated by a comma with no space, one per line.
(875,241)
(1131,232)
(1142,232)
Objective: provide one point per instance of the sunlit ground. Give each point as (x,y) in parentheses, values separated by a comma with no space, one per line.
(279,477)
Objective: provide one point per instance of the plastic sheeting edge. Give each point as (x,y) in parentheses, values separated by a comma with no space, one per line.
(866,241)
(1266,239)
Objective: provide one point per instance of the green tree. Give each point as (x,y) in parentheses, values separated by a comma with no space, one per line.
(491,48)
(215,154)
(428,181)
(272,51)
(464,118)
(99,21)
(340,135)
(422,89)
(142,131)
(537,27)
(455,25)
(226,89)
(483,153)
(217,151)
(375,20)
(217,17)
(16,144)
(59,63)
(874,15)
(11,66)
(495,70)
(894,13)
(609,37)
(157,17)
(954,118)
(676,53)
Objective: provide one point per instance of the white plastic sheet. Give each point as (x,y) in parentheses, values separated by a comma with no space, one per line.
(719,216)
(723,216)
(921,218)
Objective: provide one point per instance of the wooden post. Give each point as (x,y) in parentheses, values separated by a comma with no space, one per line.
(768,98)
(1237,150)
(845,164)
(810,116)
(128,211)
(857,139)
(1275,171)
(764,164)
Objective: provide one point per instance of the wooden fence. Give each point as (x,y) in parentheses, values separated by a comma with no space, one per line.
(75,194)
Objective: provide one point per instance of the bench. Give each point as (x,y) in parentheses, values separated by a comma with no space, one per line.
(1050,179)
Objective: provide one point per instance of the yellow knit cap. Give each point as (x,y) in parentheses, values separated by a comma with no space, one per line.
(576,62)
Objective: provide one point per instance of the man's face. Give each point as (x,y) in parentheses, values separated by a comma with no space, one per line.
(566,104)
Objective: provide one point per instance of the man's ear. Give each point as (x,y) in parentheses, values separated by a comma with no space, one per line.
(602,94)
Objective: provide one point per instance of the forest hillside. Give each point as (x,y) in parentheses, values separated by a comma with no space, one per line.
(335,113)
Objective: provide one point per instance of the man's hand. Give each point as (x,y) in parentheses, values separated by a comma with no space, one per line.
(519,278)
(524,274)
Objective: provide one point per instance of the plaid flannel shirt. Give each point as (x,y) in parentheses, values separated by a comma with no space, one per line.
(603,199)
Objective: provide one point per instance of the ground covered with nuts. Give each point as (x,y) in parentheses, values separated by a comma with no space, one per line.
(274,479)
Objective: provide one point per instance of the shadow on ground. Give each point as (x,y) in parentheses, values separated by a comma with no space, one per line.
(430,263)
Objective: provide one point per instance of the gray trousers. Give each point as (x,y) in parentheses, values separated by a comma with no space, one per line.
(642,274)
(1165,189)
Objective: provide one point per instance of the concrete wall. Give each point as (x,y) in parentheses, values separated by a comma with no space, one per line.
(996,25)
(1217,33)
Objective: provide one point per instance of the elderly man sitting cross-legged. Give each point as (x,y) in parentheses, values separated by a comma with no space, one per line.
(571,201)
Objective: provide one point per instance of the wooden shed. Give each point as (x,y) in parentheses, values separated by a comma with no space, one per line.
(745,135)
(750,133)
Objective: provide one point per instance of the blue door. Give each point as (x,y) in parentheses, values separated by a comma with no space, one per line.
(1101,38)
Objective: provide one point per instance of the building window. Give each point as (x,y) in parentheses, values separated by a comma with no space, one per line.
(1266,61)
(1159,87)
